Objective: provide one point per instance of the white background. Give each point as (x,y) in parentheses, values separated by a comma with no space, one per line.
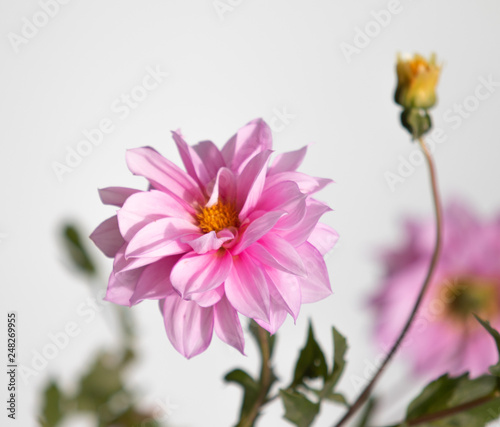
(257,58)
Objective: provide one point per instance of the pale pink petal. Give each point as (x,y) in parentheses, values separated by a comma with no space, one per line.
(284,196)
(303,229)
(288,287)
(247,290)
(224,188)
(107,237)
(307,184)
(160,238)
(250,140)
(200,273)
(195,167)
(209,241)
(323,238)
(154,281)
(189,327)
(163,174)
(211,157)
(251,183)
(121,288)
(276,252)
(277,312)
(122,264)
(256,230)
(289,161)
(148,206)
(208,298)
(227,325)
(316,286)
(116,196)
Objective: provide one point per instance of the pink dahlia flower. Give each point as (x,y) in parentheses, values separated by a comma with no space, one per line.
(445,336)
(229,236)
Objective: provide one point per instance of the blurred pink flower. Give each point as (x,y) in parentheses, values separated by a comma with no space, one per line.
(445,336)
(230,236)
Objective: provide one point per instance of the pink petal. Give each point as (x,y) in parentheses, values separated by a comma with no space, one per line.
(189,327)
(163,174)
(161,238)
(249,141)
(211,157)
(277,313)
(154,281)
(116,195)
(224,188)
(307,184)
(287,161)
(247,290)
(122,265)
(121,288)
(251,183)
(316,285)
(323,238)
(303,229)
(288,288)
(284,196)
(200,273)
(276,252)
(227,325)
(107,237)
(256,230)
(192,162)
(209,241)
(208,298)
(148,206)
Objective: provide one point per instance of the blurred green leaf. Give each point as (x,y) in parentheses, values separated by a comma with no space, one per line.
(340,349)
(311,362)
(367,413)
(298,409)
(250,389)
(52,411)
(76,250)
(458,402)
(494,369)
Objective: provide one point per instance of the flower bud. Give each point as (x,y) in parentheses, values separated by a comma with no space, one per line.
(417,80)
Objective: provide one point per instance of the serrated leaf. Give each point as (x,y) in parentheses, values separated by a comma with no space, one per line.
(298,409)
(250,389)
(494,369)
(311,362)
(52,412)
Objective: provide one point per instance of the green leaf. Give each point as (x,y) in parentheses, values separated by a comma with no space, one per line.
(76,250)
(340,349)
(311,362)
(298,409)
(494,369)
(458,402)
(52,412)
(250,388)
(336,397)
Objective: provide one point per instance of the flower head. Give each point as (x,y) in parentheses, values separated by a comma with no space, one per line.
(229,236)
(445,336)
(417,81)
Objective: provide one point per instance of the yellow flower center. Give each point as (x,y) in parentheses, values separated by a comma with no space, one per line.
(217,217)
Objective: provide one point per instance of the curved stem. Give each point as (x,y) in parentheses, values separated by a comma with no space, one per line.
(435,256)
(264,382)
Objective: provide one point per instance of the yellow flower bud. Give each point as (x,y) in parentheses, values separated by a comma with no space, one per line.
(417,80)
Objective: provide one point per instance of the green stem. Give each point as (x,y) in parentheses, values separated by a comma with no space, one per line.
(435,257)
(264,382)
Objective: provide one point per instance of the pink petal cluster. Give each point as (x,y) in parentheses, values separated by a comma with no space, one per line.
(445,336)
(231,235)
